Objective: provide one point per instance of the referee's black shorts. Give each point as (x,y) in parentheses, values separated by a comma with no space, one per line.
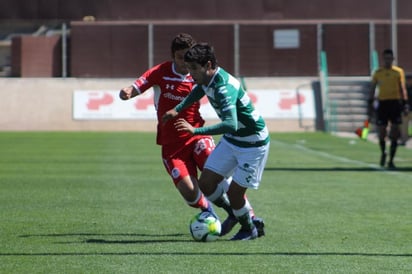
(389,111)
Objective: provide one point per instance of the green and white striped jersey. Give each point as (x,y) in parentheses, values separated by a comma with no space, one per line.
(241,124)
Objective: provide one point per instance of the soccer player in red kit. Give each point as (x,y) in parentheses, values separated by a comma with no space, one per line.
(182,153)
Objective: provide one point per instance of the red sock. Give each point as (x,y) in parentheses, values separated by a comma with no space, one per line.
(201,203)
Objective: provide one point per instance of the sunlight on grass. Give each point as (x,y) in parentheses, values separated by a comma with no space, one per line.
(102,203)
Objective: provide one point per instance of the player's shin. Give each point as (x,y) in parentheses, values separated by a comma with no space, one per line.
(220,199)
(394,146)
(225,183)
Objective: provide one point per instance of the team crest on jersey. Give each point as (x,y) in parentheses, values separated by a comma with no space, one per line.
(175,173)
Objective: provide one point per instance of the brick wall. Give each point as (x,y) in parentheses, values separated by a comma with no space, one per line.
(36,56)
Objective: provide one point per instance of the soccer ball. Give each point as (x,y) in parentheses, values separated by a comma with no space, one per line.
(205,227)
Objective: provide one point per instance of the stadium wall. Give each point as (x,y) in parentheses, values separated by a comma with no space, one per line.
(125,48)
(200,10)
(46,104)
(106,36)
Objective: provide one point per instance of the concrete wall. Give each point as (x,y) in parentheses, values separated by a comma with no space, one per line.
(45,104)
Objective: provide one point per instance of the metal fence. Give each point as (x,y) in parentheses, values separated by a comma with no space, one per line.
(246,48)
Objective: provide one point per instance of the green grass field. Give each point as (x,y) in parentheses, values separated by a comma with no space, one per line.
(102,203)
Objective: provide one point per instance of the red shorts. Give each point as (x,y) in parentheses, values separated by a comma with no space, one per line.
(181,160)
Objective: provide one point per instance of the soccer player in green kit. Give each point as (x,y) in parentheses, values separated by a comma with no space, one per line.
(243,149)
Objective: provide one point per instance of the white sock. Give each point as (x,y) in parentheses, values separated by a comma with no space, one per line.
(217,194)
(242,211)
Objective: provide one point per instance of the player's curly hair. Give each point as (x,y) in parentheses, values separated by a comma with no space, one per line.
(201,53)
(182,41)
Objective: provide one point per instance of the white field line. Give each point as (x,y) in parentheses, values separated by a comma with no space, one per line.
(342,159)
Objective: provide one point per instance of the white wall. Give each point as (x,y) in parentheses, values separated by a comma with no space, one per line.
(46,104)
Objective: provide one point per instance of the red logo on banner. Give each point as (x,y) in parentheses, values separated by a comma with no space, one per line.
(287,103)
(95,102)
(143,103)
(252,97)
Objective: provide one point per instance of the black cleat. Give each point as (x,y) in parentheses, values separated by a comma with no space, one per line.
(259,224)
(391,165)
(244,235)
(228,224)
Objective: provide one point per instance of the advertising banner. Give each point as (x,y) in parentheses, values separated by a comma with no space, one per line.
(106,105)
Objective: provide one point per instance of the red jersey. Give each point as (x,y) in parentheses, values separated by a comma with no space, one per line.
(170,88)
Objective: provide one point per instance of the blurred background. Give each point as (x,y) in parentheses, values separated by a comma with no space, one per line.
(259,38)
(317,56)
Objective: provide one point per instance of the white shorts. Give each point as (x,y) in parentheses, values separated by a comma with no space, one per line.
(244,164)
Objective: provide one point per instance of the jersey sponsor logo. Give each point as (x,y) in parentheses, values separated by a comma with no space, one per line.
(176,79)
(171,96)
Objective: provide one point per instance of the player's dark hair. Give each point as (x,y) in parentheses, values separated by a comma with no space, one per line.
(201,54)
(182,41)
(387,51)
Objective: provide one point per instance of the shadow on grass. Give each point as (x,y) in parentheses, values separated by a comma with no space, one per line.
(98,238)
(339,169)
(102,234)
(212,253)
(103,241)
